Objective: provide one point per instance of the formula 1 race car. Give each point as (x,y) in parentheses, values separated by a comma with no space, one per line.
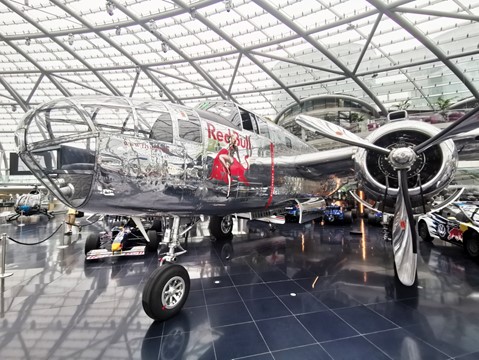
(303,211)
(336,214)
(123,240)
(457,223)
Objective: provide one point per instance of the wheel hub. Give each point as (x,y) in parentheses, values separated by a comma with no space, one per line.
(402,158)
(226,224)
(173,292)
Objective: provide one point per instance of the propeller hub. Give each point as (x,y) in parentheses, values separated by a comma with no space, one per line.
(402,158)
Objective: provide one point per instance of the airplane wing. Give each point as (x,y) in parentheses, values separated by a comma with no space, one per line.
(338,162)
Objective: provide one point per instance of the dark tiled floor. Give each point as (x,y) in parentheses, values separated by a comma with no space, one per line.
(303,292)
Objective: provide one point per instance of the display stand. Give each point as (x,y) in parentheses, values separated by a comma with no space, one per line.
(64,244)
(3,256)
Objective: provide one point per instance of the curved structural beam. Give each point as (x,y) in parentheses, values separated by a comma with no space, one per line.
(241,49)
(363,52)
(113,25)
(218,88)
(427,43)
(110,87)
(54,81)
(286,21)
(438,13)
(15,95)
(105,38)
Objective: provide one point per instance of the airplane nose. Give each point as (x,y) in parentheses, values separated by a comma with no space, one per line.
(58,144)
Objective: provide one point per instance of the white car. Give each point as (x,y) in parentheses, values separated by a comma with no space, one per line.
(457,223)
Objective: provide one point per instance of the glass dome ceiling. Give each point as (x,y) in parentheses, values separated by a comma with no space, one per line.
(263,54)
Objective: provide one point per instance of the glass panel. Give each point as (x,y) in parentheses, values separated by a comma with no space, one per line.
(189,130)
(162,129)
(113,119)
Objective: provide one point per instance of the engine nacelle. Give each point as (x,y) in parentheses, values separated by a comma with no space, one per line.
(431,172)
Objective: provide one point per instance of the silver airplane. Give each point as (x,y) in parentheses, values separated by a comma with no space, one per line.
(124,156)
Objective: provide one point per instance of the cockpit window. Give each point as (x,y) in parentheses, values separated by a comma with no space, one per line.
(53,122)
(189,127)
(162,129)
(112,119)
(225,109)
(263,128)
(189,130)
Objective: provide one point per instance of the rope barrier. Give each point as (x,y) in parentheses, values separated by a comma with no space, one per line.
(39,242)
(56,230)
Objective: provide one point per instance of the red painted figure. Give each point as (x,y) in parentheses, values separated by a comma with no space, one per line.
(226,165)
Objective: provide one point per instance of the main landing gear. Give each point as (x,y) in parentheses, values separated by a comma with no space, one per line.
(167,288)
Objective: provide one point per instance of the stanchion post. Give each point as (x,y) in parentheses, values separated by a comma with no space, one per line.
(3,257)
(21,219)
(63,245)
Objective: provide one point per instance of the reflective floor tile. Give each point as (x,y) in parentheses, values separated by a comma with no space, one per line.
(335,299)
(249,292)
(357,348)
(364,320)
(285,287)
(266,308)
(309,352)
(278,340)
(222,295)
(238,341)
(228,314)
(325,325)
(302,303)
(400,344)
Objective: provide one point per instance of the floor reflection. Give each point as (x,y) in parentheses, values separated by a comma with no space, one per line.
(307,290)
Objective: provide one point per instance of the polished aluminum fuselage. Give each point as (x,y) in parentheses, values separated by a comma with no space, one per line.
(101,167)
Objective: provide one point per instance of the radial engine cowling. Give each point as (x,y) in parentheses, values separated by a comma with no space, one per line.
(431,172)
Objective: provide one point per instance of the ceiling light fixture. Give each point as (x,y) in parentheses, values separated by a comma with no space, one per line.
(14,107)
(118,30)
(193,12)
(374,75)
(110,7)
(70,39)
(28,41)
(152,25)
(228,5)
(160,92)
(164,47)
(138,69)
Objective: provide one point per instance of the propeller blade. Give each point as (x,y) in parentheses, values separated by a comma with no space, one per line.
(404,234)
(468,122)
(337,133)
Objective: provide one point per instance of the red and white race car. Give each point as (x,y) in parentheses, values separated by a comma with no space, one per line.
(457,223)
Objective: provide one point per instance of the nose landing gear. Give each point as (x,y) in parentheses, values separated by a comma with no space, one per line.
(167,288)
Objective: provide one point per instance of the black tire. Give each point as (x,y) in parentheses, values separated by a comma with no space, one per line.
(156,225)
(221,227)
(152,245)
(157,303)
(354,212)
(424,232)
(471,244)
(348,217)
(92,242)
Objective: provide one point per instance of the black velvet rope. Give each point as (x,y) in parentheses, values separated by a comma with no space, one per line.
(56,230)
(38,242)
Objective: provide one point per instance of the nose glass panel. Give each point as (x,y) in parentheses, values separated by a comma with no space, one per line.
(60,150)
(68,167)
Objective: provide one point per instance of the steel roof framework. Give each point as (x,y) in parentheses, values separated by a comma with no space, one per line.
(262,54)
